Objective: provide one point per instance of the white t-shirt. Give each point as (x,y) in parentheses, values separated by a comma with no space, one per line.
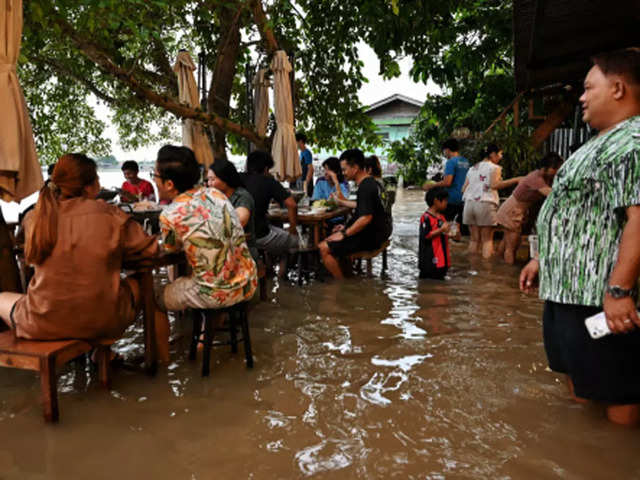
(479,178)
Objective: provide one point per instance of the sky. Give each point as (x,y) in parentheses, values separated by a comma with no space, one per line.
(377,89)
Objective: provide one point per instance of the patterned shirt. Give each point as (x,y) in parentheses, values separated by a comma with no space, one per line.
(204,223)
(580,223)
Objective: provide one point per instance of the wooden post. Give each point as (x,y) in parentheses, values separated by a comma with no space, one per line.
(9,273)
(553,121)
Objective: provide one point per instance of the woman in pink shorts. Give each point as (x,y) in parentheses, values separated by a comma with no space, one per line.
(532,189)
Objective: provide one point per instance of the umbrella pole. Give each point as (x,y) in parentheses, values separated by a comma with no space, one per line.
(9,273)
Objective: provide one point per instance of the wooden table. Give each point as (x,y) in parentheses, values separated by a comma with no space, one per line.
(315,221)
(156,334)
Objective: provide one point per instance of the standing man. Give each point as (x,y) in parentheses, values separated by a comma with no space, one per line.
(305,182)
(369,226)
(135,189)
(455,173)
(589,231)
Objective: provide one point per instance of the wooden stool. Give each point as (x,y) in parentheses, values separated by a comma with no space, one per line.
(46,357)
(238,316)
(262,280)
(359,256)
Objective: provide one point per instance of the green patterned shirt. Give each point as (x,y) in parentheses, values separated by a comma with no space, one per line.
(580,223)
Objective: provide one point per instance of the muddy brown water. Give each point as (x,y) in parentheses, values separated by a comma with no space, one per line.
(391,378)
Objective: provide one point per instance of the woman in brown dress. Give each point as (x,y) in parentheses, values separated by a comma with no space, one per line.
(77,245)
(532,189)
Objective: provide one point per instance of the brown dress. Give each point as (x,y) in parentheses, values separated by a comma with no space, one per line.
(77,291)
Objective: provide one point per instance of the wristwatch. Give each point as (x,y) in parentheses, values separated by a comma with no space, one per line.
(616,291)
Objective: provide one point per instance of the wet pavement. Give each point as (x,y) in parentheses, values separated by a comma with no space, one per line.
(374,378)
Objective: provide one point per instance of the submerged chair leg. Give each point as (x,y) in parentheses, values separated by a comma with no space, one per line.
(196,317)
(233,334)
(384,260)
(103,354)
(246,338)
(208,341)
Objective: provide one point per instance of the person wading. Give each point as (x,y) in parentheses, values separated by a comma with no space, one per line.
(589,257)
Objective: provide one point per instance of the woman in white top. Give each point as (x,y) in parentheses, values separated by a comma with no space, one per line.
(481,199)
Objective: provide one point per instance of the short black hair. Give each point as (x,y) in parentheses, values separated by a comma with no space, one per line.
(226,171)
(130,165)
(551,160)
(258,161)
(179,165)
(353,157)
(624,62)
(301,136)
(437,193)
(452,144)
(51,168)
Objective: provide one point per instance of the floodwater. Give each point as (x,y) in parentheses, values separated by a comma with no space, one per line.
(375,378)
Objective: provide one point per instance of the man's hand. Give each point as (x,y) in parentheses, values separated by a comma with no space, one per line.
(529,276)
(621,314)
(428,185)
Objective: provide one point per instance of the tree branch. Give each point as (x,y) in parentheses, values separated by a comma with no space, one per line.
(65,71)
(105,63)
(260,17)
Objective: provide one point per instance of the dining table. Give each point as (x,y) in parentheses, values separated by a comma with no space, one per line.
(314,218)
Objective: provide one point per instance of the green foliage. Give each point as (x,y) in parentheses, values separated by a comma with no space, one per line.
(519,156)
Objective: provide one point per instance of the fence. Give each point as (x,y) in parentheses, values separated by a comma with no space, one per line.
(562,139)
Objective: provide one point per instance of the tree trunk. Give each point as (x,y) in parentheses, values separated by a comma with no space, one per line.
(224,72)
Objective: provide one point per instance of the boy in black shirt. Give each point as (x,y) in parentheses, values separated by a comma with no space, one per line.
(369,226)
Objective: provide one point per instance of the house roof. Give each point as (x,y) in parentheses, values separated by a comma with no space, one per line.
(554,39)
(393,98)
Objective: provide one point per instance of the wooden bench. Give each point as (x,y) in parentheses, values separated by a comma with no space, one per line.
(46,357)
(367,256)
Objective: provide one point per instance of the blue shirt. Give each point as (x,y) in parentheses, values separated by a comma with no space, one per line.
(305,161)
(323,189)
(458,167)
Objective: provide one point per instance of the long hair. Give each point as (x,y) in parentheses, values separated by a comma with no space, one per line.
(333,164)
(72,173)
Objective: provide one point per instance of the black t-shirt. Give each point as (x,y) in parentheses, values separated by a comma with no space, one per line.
(263,189)
(369,203)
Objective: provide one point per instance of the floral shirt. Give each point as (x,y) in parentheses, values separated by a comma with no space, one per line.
(580,223)
(204,223)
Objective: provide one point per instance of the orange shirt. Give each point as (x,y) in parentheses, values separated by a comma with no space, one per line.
(76,292)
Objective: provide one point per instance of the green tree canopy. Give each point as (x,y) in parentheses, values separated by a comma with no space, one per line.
(121,53)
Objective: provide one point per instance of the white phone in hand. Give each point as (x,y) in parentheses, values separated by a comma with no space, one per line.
(597,326)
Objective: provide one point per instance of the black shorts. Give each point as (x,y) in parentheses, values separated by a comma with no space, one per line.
(604,370)
(353,244)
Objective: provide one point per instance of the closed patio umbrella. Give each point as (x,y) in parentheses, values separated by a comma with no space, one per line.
(261,101)
(20,173)
(194,135)
(284,150)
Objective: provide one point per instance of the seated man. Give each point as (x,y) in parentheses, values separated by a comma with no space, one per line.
(135,189)
(264,188)
(203,223)
(369,226)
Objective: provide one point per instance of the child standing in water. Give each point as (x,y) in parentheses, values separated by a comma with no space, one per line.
(433,256)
